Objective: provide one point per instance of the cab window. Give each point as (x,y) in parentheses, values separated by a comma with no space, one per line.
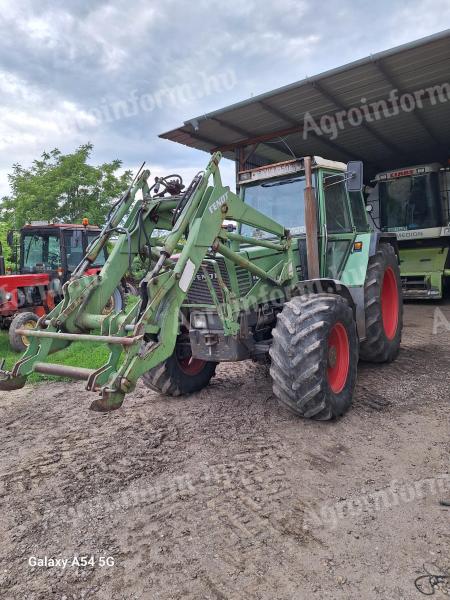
(336,205)
(280,199)
(74,248)
(41,250)
(358,211)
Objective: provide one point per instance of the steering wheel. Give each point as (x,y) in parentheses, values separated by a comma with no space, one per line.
(172,184)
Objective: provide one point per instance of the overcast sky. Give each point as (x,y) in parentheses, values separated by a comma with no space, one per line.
(119,72)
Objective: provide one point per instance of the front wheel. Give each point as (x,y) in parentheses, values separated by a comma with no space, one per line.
(181,373)
(116,303)
(23,320)
(314,356)
(383,306)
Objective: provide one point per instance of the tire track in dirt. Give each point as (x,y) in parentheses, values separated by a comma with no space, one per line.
(206,496)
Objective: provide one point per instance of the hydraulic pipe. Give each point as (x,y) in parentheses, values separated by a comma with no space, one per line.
(80,337)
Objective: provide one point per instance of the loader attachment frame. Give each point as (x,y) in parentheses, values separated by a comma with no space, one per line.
(145,335)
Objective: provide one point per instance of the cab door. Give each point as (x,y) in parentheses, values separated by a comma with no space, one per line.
(338,233)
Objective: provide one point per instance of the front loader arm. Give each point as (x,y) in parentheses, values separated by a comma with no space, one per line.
(146,335)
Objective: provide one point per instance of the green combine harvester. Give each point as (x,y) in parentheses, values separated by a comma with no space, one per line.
(414,202)
(288,269)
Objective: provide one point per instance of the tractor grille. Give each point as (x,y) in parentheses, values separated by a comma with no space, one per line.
(199,293)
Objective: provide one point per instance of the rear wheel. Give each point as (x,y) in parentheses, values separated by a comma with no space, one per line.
(314,356)
(383,307)
(24,320)
(181,373)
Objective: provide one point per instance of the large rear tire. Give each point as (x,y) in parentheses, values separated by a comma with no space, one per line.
(314,356)
(383,307)
(181,373)
(23,320)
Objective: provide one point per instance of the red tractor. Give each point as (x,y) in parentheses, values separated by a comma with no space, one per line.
(48,255)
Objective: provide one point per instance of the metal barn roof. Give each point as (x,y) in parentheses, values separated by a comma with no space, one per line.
(271,127)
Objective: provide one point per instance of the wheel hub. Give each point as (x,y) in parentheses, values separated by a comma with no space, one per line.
(332,357)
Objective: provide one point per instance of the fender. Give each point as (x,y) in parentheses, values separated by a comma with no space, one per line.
(354,296)
(377,237)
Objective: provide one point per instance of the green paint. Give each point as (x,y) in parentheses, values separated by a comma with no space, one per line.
(271,269)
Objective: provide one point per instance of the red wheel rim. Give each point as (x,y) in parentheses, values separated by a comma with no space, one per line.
(191,366)
(389,303)
(338,358)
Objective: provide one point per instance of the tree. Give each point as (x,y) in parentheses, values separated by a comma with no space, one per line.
(7,254)
(62,187)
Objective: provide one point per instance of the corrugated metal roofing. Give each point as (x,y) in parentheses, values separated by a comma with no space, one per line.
(276,120)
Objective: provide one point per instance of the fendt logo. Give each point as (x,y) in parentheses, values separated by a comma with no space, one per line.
(202,276)
(218,203)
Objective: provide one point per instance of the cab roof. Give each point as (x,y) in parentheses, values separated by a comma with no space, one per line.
(61,226)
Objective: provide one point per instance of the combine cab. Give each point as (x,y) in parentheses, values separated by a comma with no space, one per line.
(414,203)
(48,254)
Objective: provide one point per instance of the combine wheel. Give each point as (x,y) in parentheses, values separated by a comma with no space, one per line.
(314,356)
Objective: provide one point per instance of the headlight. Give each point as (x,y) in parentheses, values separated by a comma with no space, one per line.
(199,321)
(8,297)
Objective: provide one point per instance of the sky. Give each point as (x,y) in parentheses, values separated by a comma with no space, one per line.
(118,73)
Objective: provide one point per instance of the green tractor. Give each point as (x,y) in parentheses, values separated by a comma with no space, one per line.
(289,270)
(414,202)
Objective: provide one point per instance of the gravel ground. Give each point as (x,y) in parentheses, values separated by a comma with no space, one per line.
(224,495)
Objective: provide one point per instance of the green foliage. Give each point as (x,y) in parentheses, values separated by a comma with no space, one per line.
(3,232)
(62,187)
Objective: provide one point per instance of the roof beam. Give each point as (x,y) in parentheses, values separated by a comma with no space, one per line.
(203,138)
(206,140)
(277,113)
(246,134)
(266,140)
(334,100)
(326,142)
(418,116)
(239,130)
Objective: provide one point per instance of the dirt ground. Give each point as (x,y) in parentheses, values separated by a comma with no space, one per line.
(224,495)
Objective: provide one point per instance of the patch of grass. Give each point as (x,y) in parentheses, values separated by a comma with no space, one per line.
(78,354)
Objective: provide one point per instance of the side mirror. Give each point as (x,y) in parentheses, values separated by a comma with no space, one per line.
(369,208)
(354,176)
(10,238)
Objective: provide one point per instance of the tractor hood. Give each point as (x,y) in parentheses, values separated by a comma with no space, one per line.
(9,286)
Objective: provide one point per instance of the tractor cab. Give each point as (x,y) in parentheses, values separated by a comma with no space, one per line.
(49,253)
(56,249)
(278,191)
